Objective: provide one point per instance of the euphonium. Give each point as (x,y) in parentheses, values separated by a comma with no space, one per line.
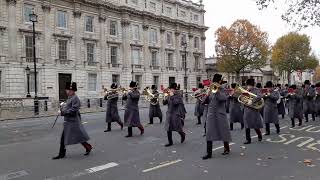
(150,96)
(247,100)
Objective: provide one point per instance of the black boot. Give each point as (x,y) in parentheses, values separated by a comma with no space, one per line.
(151,121)
(183,136)
(160,119)
(282,116)
(62,154)
(248,137)
(226,148)
(88,148)
(258,131)
(231,126)
(109,127)
(267,129)
(209,151)
(205,129)
(242,126)
(141,129)
(293,124)
(277,128)
(199,120)
(313,117)
(129,132)
(300,122)
(170,141)
(306,116)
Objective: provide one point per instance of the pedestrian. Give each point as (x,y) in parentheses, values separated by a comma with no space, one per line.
(112,114)
(199,108)
(280,102)
(154,108)
(174,121)
(236,111)
(217,121)
(252,117)
(308,100)
(73,130)
(131,113)
(295,103)
(270,108)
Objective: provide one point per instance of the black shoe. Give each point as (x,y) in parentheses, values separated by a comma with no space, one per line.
(225,152)
(59,157)
(247,142)
(259,139)
(183,137)
(168,145)
(208,156)
(129,135)
(267,134)
(108,130)
(88,151)
(150,123)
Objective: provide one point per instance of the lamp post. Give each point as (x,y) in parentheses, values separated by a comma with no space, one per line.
(132,72)
(34,19)
(28,81)
(185,70)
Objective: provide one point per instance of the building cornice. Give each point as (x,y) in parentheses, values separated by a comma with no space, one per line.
(62,35)
(28,31)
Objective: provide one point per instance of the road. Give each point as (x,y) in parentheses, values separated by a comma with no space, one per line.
(26,148)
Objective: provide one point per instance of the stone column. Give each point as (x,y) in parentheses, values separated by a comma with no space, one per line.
(103,47)
(162,53)
(12,30)
(77,19)
(47,32)
(125,22)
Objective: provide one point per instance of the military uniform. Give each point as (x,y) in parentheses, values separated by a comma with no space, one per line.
(199,108)
(280,106)
(112,114)
(155,110)
(308,102)
(271,111)
(236,112)
(295,105)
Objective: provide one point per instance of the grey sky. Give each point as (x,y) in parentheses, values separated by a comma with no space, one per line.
(225,12)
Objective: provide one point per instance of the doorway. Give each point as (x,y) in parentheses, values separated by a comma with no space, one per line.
(63,79)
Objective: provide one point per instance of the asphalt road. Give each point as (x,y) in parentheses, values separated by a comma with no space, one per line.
(26,148)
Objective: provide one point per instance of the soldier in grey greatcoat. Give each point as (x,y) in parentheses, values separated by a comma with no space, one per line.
(236,111)
(217,121)
(174,118)
(280,105)
(199,108)
(308,100)
(317,99)
(295,103)
(270,108)
(131,113)
(252,117)
(73,130)
(259,87)
(154,109)
(182,109)
(112,114)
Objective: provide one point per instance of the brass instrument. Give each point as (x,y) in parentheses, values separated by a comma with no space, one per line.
(150,96)
(214,87)
(199,93)
(247,100)
(114,93)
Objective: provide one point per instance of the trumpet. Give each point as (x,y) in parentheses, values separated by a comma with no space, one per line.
(214,87)
(150,96)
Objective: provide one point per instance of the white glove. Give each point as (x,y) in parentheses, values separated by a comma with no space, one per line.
(61,104)
(59,112)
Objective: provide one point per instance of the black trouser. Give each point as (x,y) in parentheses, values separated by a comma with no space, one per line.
(199,119)
(293,124)
(306,116)
(209,147)
(169,135)
(248,136)
(62,150)
(231,126)
(109,124)
(151,120)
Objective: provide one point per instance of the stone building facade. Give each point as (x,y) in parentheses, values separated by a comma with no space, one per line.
(97,42)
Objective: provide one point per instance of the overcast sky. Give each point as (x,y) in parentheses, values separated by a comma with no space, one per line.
(225,12)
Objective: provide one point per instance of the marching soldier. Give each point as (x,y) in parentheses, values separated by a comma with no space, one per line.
(154,109)
(73,130)
(236,112)
(270,108)
(131,114)
(317,100)
(259,87)
(252,117)
(308,100)
(280,103)
(198,112)
(182,108)
(174,118)
(112,114)
(217,122)
(295,103)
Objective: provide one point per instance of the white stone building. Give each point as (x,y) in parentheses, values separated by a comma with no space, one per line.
(97,42)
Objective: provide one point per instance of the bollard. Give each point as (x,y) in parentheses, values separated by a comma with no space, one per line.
(45,105)
(101,105)
(88,103)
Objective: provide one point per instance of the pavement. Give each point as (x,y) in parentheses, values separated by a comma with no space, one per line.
(27,146)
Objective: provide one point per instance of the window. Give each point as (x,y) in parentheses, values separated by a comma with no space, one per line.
(62,19)
(90,52)
(116,78)
(156,81)
(169,11)
(198,80)
(134,2)
(183,61)
(183,40)
(185,82)
(196,42)
(113,28)
(196,17)
(135,31)
(153,6)
(138,79)
(169,38)
(29,48)
(153,35)
(135,53)
(89,23)
(0,81)
(62,49)
(27,11)
(183,14)
(196,62)
(92,82)
(170,60)
(114,55)
(32,83)
(172,80)
(154,58)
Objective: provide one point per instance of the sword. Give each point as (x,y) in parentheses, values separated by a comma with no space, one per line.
(55,121)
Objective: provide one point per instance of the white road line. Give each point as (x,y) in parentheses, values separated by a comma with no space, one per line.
(162,165)
(85,172)
(14,175)
(272,128)
(222,147)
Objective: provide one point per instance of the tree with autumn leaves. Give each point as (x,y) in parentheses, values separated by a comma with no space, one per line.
(292,52)
(242,45)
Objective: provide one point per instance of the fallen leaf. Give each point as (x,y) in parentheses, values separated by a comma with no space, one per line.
(259,159)
(205,171)
(174,151)
(241,154)
(307,161)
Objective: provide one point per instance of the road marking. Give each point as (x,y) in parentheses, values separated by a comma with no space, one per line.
(271,128)
(14,175)
(85,172)
(222,147)
(162,165)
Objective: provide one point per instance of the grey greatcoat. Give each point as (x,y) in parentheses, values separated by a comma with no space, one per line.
(317,104)
(217,122)
(236,111)
(199,108)
(308,100)
(131,113)
(155,110)
(252,117)
(112,114)
(270,112)
(281,108)
(73,129)
(295,103)
(174,118)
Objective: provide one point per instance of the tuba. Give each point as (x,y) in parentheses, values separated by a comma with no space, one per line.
(247,99)
(150,96)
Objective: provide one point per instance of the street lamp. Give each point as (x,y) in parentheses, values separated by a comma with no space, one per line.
(132,72)
(28,81)
(184,44)
(34,19)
